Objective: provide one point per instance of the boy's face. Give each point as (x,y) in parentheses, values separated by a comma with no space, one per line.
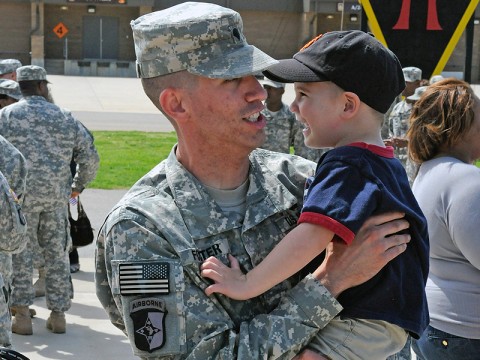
(317,106)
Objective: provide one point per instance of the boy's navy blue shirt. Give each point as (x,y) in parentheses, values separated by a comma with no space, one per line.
(351,184)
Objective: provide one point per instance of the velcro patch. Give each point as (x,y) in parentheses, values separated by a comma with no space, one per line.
(148,315)
(138,278)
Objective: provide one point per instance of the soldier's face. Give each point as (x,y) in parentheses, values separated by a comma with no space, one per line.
(274,94)
(410,88)
(9,76)
(226,113)
(7,101)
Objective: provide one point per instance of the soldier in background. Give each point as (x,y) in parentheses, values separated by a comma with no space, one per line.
(216,194)
(9,92)
(282,129)
(48,137)
(398,120)
(8,68)
(13,172)
(435,78)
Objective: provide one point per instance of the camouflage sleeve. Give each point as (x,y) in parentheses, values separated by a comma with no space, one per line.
(384,130)
(14,167)
(103,272)
(391,121)
(85,156)
(285,331)
(186,322)
(12,221)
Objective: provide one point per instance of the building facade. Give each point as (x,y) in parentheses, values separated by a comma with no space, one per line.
(93,37)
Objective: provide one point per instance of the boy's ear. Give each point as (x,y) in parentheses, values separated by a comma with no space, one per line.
(170,100)
(351,104)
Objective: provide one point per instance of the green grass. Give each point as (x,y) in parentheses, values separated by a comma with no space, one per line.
(125,156)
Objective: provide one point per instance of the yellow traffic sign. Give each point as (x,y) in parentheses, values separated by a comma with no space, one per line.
(60,30)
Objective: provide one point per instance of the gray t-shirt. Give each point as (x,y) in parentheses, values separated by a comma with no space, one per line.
(448,192)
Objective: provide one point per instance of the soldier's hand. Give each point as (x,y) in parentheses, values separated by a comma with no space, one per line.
(400,142)
(388,142)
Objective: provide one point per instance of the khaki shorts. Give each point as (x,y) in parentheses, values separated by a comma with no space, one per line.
(359,339)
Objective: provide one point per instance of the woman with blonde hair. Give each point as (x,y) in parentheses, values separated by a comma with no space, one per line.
(444,137)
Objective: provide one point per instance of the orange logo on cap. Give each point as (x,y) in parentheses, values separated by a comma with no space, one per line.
(311,42)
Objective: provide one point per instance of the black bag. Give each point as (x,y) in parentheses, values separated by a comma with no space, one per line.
(80,230)
(9,354)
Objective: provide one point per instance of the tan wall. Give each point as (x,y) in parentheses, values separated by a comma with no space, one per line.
(279,34)
(15,31)
(73,20)
(275,33)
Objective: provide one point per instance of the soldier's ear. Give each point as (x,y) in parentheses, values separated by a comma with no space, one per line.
(43,89)
(170,100)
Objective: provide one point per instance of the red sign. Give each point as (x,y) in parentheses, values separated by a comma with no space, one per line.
(60,30)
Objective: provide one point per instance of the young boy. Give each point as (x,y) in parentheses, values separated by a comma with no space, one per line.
(344,82)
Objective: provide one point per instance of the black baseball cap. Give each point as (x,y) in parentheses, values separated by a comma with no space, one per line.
(353,60)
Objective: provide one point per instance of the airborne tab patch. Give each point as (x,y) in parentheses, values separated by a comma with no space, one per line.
(137,278)
(148,315)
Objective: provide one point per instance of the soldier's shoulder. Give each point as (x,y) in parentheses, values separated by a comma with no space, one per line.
(280,162)
(398,106)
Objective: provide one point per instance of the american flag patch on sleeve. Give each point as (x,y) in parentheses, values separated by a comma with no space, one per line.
(144,278)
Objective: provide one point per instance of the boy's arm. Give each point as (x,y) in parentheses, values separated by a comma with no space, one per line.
(304,309)
(297,249)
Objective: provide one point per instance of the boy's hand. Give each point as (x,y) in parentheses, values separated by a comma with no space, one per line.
(229,281)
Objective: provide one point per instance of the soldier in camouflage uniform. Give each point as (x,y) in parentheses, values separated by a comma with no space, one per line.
(214,195)
(48,137)
(9,92)
(13,172)
(283,130)
(398,121)
(8,68)
(398,124)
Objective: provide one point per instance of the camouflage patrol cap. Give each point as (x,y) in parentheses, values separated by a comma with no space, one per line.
(417,94)
(9,65)
(412,74)
(31,72)
(203,39)
(10,88)
(435,78)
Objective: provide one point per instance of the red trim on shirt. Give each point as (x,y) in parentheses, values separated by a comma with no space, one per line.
(379,150)
(327,222)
